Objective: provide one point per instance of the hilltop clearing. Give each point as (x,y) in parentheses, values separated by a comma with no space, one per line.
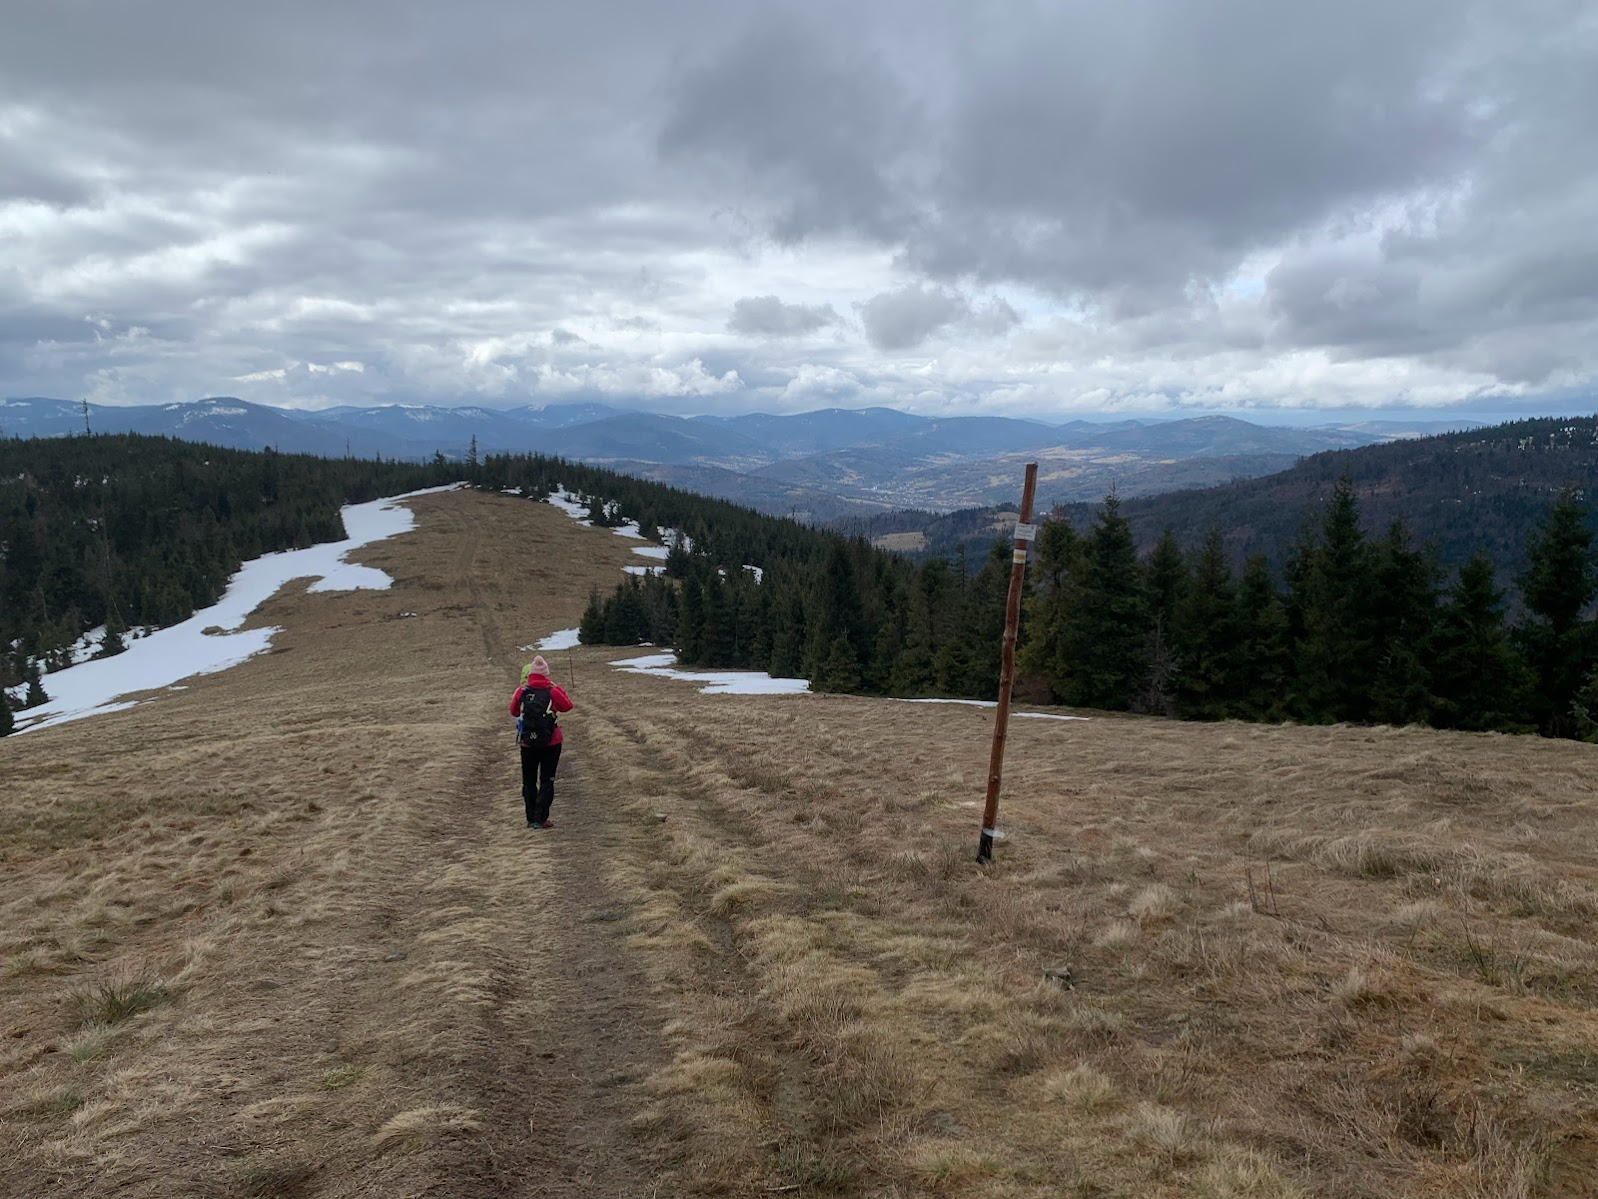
(1217,960)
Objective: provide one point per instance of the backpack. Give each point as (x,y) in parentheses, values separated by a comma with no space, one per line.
(535,724)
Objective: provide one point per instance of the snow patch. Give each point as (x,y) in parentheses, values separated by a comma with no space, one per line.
(714,682)
(563,639)
(643,570)
(184,650)
(988,703)
(658,552)
(570,505)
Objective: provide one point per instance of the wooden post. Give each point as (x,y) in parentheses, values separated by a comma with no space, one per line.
(1024,533)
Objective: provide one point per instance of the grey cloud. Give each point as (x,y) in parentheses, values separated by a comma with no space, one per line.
(767,316)
(994,318)
(818,118)
(903,319)
(261,185)
(1124,156)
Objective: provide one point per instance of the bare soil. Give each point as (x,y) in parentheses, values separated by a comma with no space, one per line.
(756,955)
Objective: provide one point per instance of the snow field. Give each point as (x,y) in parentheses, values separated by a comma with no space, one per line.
(184,650)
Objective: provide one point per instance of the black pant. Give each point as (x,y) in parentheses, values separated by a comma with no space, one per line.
(538,780)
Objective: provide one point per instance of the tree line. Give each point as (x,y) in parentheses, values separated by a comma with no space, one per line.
(124,531)
(1356,627)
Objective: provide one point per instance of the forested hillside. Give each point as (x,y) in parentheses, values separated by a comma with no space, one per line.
(124,530)
(1361,626)
(1360,623)
(1482,488)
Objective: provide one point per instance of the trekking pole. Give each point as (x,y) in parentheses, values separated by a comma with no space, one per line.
(1025,531)
(571,671)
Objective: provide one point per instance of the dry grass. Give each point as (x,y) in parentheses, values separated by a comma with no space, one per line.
(1301,961)
(197,896)
(1224,961)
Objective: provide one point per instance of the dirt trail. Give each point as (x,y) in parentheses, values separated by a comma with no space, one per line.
(364,975)
(562,1022)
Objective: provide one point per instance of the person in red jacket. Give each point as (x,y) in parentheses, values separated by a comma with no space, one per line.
(539,762)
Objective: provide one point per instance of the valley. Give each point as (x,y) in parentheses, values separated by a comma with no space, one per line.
(816,466)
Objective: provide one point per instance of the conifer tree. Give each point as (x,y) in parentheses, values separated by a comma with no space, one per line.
(914,671)
(1478,678)
(8,722)
(1204,630)
(1112,631)
(677,560)
(892,627)
(626,619)
(691,624)
(1403,610)
(591,630)
(1054,608)
(1263,662)
(1334,652)
(840,668)
(1558,585)
(112,643)
(1167,578)
(35,694)
(788,638)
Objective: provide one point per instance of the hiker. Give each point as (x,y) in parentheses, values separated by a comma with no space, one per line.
(540,738)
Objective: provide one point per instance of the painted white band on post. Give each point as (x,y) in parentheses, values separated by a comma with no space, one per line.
(1026,532)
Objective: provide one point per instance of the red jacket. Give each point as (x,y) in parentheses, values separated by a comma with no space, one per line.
(558,697)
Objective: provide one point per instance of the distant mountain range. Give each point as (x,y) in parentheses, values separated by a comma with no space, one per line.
(1486,487)
(821,465)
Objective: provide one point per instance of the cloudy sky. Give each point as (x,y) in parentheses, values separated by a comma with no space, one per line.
(1017,207)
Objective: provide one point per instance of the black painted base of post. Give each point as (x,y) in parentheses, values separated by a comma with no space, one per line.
(985,847)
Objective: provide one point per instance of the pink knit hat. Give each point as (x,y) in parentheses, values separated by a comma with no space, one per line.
(540,666)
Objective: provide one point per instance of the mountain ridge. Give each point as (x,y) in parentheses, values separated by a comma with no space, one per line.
(830,462)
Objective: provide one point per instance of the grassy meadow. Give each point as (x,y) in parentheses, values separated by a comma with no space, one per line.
(283,933)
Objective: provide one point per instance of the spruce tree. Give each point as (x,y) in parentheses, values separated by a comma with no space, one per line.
(8,722)
(1335,651)
(35,694)
(840,668)
(1054,608)
(591,630)
(1557,586)
(1167,578)
(1166,585)
(1559,581)
(1403,609)
(1205,634)
(914,671)
(112,643)
(1478,677)
(691,624)
(1112,631)
(788,637)
(1263,663)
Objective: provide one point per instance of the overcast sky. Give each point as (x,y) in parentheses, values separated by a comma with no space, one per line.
(723,205)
